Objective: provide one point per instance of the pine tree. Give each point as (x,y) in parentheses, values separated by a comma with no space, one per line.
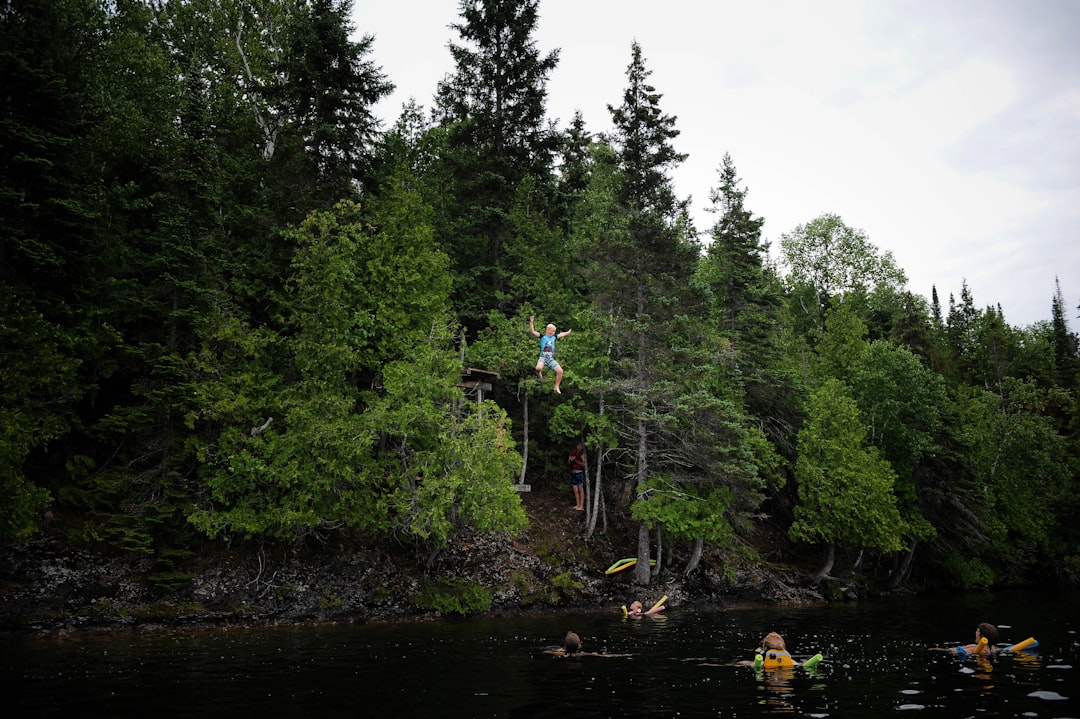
(748,305)
(644,260)
(325,97)
(1066,343)
(574,169)
(734,258)
(493,109)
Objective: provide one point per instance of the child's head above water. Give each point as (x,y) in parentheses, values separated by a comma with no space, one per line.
(773,641)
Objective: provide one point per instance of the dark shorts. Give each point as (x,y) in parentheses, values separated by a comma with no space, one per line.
(577,477)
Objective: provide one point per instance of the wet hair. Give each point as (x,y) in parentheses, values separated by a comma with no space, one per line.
(773,641)
(989,632)
(572,643)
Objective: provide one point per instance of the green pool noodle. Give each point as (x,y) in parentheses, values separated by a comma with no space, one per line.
(812,661)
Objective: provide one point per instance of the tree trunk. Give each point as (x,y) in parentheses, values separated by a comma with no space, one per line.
(830,559)
(524,438)
(593,490)
(642,575)
(901,572)
(695,556)
(659,553)
(593,494)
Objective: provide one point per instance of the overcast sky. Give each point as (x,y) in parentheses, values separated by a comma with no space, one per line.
(947,130)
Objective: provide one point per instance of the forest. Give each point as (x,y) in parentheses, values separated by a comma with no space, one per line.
(235,307)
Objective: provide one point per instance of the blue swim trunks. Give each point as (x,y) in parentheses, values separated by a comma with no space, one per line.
(548,361)
(577,478)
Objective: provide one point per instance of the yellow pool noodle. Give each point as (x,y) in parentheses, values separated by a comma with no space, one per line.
(982,646)
(662,600)
(1020,646)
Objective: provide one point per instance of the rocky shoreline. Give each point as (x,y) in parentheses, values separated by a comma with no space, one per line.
(48,588)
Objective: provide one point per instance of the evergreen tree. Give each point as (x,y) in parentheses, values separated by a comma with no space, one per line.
(574,169)
(364,425)
(845,487)
(734,258)
(914,329)
(326,91)
(46,242)
(961,336)
(747,303)
(1066,343)
(493,109)
(94,249)
(642,274)
(903,405)
(1020,465)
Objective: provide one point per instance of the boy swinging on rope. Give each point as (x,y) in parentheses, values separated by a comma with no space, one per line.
(547,352)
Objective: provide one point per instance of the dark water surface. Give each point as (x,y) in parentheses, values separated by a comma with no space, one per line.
(877,664)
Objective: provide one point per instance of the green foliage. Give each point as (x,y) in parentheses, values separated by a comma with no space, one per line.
(826,259)
(168,582)
(903,404)
(965,573)
(329,600)
(498,147)
(686,512)
(564,586)
(1022,465)
(844,486)
(840,348)
(37,380)
(453,597)
(357,297)
(225,295)
(505,346)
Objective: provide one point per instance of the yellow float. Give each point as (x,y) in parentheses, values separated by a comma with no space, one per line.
(626,564)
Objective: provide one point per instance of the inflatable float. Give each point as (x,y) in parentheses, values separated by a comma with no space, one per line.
(1029,643)
(779,659)
(981,648)
(626,564)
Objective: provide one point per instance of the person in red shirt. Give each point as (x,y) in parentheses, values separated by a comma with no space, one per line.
(577,475)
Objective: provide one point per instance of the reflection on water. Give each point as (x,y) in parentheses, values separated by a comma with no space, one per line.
(680,664)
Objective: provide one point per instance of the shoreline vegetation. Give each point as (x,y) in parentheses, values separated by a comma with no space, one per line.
(47,589)
(264,357)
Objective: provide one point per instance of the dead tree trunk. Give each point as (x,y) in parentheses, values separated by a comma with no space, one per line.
(593,492)
(830,559)
(524,438)
(695,556)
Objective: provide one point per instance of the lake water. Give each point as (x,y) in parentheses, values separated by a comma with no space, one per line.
(877,664)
